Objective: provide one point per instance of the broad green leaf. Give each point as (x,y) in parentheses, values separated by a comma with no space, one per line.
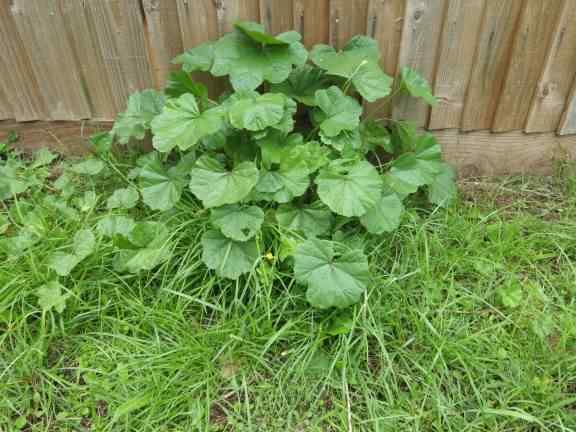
(416,85)
(152,235)
(181,124)
(87,202)
(112,225)
(215,185)
(374,135)
(65,185)
(249,63)
(84,243)
(50,297)
(257,33)
(311,220)
(89,167)
(180,83)
(135,261)
(12,182)
(336,276)
(125,198)
(442,190)
(161,188)
(237,222)
(336,111)
(349,190)
(302,84)
(63,263)
(359,63)
(284,184)
(199,58)
(228,257)
(135,121)
(102,142)
(43,157)
(276,146)
(18,245)
(385,216)
(258,112)
(345,141)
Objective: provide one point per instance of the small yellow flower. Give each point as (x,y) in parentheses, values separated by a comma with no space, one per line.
(269,256)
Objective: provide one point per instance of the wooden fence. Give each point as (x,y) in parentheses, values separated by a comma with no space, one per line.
(503,70)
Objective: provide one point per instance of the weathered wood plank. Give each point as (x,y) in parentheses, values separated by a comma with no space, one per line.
(490,63)
(420,40)
(458,42)
(532,41)
(41,27)
(347,19)
(122,40)
(277,15)
(557,76)
(311,19)
(165,37)
(568,120)
(82,35)
(5,105)
(230,11)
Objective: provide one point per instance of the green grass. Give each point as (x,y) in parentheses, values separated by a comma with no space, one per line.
(469,325)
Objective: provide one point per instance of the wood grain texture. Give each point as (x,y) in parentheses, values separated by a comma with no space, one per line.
(41,27)
(557,76)
(347,19)
(490,63)
(163,25)
(277,15)
(454,63)
(483,153)
(312,20)
(532,41)
(419,47)
(5,105)
(568,120)
(122,41)
(82,35)
(230,11)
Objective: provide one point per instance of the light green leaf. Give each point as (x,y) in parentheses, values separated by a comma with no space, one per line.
(228,257)
(256,32)
(43,157)
(112,225)
(215,186)
(258,112)
(135,121)
(302,84)
(443,190)
(84,243)
(349,190)
(374,135)
(135,261)
(89,167)
(125,198)
(385,216)
(86,202)
(249,63)
(336,111)
(276,146)
(11,182)
(312,220)
(199,58)
(284,184)
(102,142)
(237,222)
(345,141)
(181,124)
(336,276)
(359,63)
(63,263)
(180,83)
(149,234)
(416,85)
(50,297)
(161,189)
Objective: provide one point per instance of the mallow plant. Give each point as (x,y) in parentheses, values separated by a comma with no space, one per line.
(284,162)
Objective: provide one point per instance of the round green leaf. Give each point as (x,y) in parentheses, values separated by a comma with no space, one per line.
(336,277)
(257,113)
(126,198)
(237,222)
(416,85)
(228,257)
(161,189)
(312,220)
(302,84)
(349,191)
(338,111)
(215,186)
(135,121)
(385,216)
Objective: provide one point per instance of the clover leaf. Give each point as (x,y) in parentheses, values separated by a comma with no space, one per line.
(135,121)
(336,111)
(336,276)
(357,62)
(230,258)
(237,222)
(349,190)
(215,185)
(181,124)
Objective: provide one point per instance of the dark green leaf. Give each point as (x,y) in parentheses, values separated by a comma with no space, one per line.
(237,222)
(228,257)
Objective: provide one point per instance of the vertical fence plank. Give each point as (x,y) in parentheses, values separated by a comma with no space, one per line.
(277,15)
(385,20)
(531,44)
(458,42)
(41,27)
(490,63)
(311,19)
(122,40)
(420,39)
(557,77)
(230,11)
(347,19)
(568,120)
(165,37)
(82,35)
(5,105)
